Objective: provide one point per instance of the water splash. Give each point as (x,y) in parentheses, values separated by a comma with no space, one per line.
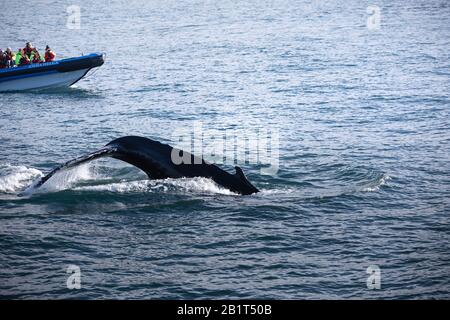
(14,179)
(82,178)
(200,185)
(63,180)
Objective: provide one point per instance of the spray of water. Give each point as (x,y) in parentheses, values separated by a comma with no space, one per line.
(81,178)
(13,179)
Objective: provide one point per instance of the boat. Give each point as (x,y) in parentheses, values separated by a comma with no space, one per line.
(55,74)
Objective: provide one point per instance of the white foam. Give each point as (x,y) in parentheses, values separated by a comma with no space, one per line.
(119,187)
(13,179)
(200,185)
(278,191)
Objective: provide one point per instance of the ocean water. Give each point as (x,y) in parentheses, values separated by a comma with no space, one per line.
(362,111)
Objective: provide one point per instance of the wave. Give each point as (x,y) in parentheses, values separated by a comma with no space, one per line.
(362,178)
(98,178)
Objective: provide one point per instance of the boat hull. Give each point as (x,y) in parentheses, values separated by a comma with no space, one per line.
(63,73)
(43,81)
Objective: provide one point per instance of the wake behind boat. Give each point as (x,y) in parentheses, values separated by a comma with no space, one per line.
(55,74)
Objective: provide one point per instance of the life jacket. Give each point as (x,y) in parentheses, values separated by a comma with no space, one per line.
(18,57)
(36,59)
(24,61)
(3,61)
(28,52)
(49,56)
(10,59)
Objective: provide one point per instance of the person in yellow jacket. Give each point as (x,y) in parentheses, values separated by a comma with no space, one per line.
(18,56)
(24,60)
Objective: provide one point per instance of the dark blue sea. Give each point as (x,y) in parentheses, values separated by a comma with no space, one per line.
(358,93)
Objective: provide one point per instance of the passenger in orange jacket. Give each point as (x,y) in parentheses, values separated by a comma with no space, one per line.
(36,57)
(28,50)
(49,54)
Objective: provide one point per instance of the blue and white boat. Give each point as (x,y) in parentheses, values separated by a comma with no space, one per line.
(56,74)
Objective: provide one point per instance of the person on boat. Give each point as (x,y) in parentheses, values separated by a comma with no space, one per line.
(49,54)
(2,59)
(18,56)
(24,60)
(9,58)
(36,57)
(28,50)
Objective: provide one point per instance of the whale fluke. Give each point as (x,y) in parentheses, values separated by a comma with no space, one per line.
(157,161)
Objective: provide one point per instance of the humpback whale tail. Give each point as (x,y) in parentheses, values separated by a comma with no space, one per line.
(156,160)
